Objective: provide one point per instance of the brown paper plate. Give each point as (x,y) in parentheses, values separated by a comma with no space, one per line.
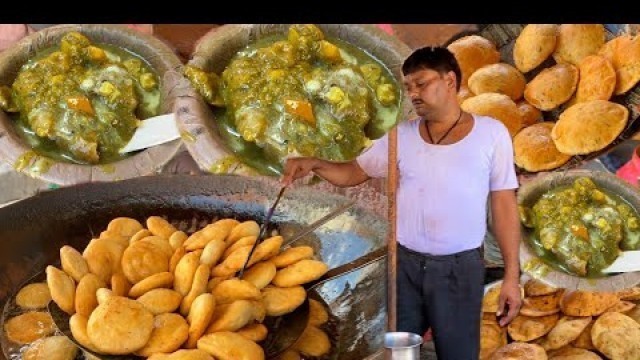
(146,162)
(530,192)
(214,52)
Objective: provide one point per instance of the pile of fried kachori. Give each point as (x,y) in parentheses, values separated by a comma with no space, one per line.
(568,71)
(556,324)
(161,293)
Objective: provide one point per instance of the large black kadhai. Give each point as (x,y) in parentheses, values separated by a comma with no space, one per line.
(32,232)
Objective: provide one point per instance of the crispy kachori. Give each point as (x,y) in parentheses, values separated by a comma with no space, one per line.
(587,303)
(490,299)
(577,41)
(627,64)
(498,106)
(597,79)
(520,351)
(313,342)
(542,305)
(589,126)
(170,331)
(226,345)
(571,353)
(492,337)
(526,328)
(51,348)
(529,113)
(535,287)
(33,296)
(29,327)
(473,52)
(533,45)
(535,150)
(110,326)
(62,289)
(552,87)
(499,78)
(566,330)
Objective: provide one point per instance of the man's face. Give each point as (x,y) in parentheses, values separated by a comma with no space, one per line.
(429,90)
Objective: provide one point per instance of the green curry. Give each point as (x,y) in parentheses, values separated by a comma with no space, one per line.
(303,96)
(580,228)
(81,102)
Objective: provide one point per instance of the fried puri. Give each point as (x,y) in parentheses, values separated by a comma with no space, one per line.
(29,327)
(300,273)
(534,149)
(473,52)
(110,326)
(227,345)
(51,348)
(498,106)
(33,296)
(533,45)
(279,301)
(62,289)
(170,331)
(552,87)
(597,79)
(577,41)
(73,263)
(589,126)
(498,78)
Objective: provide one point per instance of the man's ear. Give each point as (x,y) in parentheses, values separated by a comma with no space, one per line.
(451,79)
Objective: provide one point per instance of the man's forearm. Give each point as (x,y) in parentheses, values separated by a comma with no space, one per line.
(506,225)
(340,174)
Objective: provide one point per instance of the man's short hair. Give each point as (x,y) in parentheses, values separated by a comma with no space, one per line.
(435,58)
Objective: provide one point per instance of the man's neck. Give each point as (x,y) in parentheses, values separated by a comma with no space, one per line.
(445,119)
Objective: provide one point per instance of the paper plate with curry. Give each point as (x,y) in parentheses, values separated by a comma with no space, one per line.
(73,95)
(575,224)
(261,93)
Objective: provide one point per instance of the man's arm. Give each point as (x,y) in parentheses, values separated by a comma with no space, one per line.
(342,174)
(506,226)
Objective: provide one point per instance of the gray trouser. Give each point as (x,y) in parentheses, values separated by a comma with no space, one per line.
(443,293)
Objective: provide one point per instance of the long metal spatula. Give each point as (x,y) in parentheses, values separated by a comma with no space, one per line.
(263,230)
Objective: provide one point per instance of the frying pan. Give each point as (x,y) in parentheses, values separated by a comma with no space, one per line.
(32,232)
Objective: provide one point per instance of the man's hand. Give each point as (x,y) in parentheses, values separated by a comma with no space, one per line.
(511,296)
(296,168)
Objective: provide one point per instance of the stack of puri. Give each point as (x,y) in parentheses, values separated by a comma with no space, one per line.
(586,72)
(557,324)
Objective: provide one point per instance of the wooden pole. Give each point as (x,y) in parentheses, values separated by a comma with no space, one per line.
(392,186)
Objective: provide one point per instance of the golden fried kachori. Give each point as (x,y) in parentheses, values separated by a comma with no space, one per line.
(533,45)
(499,78)
(498,106)
(589,126)
(577,41)
(597,79)
(552,87)
(473,52)
(534,149)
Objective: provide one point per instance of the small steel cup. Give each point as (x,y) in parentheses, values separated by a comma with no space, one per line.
(402,346)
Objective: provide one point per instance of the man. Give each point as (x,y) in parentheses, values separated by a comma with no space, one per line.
(449,163)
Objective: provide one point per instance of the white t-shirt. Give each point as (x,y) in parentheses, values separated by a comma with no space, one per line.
(443,189)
